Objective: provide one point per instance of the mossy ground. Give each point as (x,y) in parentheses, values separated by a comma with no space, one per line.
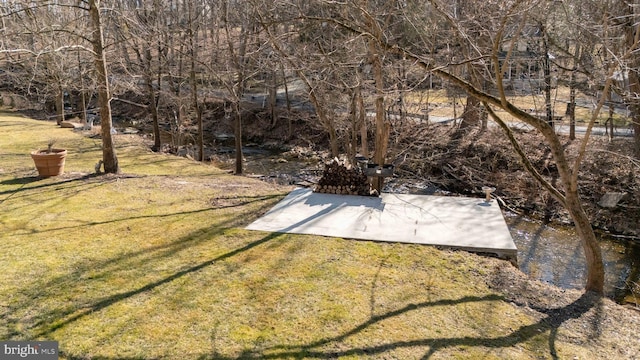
(154,263)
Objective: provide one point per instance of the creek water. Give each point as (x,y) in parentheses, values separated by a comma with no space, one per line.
(552,254)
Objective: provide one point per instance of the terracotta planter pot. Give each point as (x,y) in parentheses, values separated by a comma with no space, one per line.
(49,164)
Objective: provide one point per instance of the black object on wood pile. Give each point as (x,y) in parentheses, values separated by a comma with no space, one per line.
(338,179)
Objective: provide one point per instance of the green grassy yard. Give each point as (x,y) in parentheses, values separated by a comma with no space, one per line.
(154,263)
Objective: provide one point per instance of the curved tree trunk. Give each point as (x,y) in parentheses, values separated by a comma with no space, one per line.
(590,245)
(571,198)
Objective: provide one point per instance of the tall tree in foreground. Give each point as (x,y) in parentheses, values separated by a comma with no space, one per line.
(568,193)
(61,32)
(109,158)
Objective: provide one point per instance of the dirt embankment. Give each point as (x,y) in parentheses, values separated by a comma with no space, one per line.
(464,164)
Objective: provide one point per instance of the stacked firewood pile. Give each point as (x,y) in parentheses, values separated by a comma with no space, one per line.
(338,179)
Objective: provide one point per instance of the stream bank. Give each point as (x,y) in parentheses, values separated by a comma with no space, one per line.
(548,248)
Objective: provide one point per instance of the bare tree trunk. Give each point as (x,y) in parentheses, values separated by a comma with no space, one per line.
(634,107)
(382,128)
(286,90)
(635,118)
(472,114)
(590,245)
(83,98)
(632,37)
(571,106)
(546,67)
(571,199)
(82,91)
(123,48)
(237,89)
(194,84)
(153,104)
(60,105)
(484,120)
(176,86)
(287,100)
(237,129)
(109,158)
(273,97)
(362,121)
(314,97)
(196,108)
(609,122)
(327,123)
(352,141)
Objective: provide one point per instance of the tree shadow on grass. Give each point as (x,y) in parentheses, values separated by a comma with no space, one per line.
(21,181)
(59,318)
(233,202)
(24,181)
(71,317)
(554,318)
(65,313)
(55,191)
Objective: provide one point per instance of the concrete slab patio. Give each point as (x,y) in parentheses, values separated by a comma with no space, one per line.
(453,222)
